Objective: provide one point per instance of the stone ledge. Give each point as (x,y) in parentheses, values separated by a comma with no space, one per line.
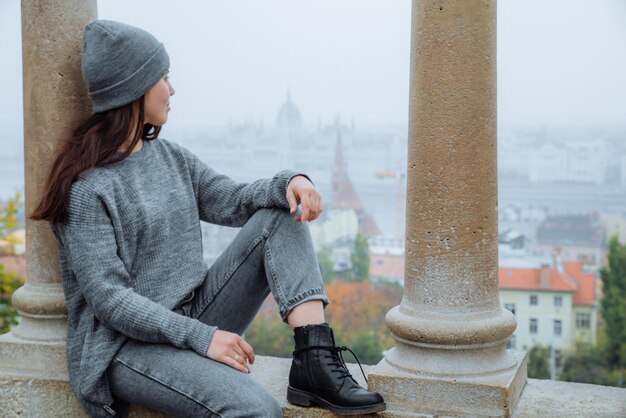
(554,399)
(28,396)
(273,373)
(540,398)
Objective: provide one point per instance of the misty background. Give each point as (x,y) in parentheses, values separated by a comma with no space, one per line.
(560,62)
(345,66)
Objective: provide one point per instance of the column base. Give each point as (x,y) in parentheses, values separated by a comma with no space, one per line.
(32,358)
(34,380)
(414,394)
(29,396)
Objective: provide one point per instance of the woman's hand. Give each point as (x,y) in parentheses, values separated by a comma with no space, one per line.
(301,190)
(229,348)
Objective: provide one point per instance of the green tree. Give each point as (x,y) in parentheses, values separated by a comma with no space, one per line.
(368,346)
(538,358)
(8,215)
(268,334)
(9,281)
(356,312)
(586,365)
(326,264)
(613,307)
(360,258)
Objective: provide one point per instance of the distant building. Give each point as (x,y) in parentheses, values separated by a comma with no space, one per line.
(248,150)
(341,258)
(571,161)
(511,238)
(387,264)
(289,118)
(344,195)
(574,237)
(554,305)
(614,225)
(513,155)
(335,228)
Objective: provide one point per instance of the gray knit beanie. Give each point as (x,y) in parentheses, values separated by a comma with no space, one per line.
(120,63)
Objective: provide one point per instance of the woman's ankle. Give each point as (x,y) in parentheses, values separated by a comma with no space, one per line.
(308,313)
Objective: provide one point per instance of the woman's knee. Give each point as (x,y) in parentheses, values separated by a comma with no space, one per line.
(278,213)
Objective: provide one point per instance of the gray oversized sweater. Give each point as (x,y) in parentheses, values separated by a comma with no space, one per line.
(132,250)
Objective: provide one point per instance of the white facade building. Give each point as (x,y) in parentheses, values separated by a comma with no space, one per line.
(574,161)
(554,306)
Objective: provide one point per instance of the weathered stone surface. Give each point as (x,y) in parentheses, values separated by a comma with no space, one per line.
(450,330)
(33,370)
(37,396)
(547,398)
(24,397)
(417,394)
(32,358)
(451,238)
(54,100)
(451,285)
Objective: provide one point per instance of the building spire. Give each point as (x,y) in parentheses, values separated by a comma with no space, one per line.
(344,195)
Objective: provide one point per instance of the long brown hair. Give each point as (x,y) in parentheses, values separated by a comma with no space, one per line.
(92,144)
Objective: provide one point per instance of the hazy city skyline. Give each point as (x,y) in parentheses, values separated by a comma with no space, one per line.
(560,62)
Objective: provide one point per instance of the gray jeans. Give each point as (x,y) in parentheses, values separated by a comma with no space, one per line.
(270,253)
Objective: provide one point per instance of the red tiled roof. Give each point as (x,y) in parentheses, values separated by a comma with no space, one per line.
(529,279)
(369,227)
(572,279)
(586,283)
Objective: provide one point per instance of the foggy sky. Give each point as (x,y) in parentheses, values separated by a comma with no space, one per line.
(560,62)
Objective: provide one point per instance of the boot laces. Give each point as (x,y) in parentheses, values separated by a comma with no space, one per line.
(337,357)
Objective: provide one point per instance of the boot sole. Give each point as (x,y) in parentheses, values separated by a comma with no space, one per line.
(303,398)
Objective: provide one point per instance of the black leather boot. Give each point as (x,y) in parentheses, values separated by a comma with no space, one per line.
(319,375)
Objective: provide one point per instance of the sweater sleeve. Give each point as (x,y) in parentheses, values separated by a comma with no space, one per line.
(89,245)
(223,201)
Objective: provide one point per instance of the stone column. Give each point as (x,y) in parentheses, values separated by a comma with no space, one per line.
(450,356)
(32,357)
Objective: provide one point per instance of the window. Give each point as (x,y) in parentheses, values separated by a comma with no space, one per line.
(557,327)
(583,321)
(533,326)
(558,301)
(533,299)
(510,307)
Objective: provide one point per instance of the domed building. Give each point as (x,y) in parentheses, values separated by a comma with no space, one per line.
(289,119)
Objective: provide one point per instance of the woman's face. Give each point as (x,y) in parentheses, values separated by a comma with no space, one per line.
(157,101)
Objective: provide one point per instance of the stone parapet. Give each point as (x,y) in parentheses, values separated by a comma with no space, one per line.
(51,397)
